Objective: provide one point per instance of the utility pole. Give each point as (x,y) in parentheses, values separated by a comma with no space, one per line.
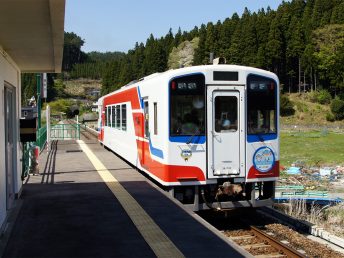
(38,76)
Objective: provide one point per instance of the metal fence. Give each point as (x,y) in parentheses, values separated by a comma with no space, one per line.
(57,132)
(41,138)
(65,132)
(28,150)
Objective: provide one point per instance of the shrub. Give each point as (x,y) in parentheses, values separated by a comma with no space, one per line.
(312,96)
(324,97)
(302,107)
(330,117)
(341,95)
(337,108)
(286,106)
(60,105)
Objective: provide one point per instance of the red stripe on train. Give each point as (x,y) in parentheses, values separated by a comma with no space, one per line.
(167,173)
(254,173)
(129,95)
(138,124)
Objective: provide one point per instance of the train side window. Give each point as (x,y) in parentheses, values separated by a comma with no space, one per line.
(113,116)
(107,116)
(124,117)
(146,118)
(155,118)
(118,117)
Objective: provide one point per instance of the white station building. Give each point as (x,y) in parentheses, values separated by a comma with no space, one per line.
(31,41)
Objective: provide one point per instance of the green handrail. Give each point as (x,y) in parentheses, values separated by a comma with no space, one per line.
(306,194)
(41,137)
(26,160)
(290,187)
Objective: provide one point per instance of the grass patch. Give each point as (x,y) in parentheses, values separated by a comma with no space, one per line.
(330,218)
(309,113)
(313,148)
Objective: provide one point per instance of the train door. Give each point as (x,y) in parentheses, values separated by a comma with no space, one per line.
(223,136)
(101,117)
(145,149)
(9,108)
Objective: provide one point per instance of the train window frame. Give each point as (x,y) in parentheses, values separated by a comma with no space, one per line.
(259,122)
(226,122)
(155,104)
(181,91)
(107,116)
(146,118)
(124,117)
(118,117)
(113,116)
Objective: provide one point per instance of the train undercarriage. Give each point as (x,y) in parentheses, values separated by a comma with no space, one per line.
(225,195)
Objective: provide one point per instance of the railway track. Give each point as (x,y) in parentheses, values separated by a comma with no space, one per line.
(261,244)
(266,236)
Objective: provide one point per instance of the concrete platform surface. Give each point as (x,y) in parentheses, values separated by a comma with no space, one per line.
(68,211)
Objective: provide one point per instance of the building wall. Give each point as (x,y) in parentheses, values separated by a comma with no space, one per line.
(10,75)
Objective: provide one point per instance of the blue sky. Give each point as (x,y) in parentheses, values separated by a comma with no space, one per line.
(112,25)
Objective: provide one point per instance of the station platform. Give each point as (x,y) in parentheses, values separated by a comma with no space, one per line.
(87,202)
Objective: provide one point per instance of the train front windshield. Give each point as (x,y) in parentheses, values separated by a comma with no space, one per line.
(261,105)
(187,105)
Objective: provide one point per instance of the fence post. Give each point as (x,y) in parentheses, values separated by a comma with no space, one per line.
(48,127)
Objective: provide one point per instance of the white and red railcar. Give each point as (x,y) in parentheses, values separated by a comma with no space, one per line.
(208,134)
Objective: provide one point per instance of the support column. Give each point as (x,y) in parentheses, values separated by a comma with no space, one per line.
(39,100)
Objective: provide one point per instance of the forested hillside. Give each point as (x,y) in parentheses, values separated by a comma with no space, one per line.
(299,32)
(301,35)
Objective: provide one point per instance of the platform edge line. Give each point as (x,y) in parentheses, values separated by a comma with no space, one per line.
(158,241)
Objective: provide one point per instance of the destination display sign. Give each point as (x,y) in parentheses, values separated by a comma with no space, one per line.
(261,86)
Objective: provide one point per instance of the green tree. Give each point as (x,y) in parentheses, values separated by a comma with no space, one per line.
(235,51)
(249,39)
(329,52)
(210,41)
(200,53)
(274,46)
(338,14)
(29,87)
(72,53)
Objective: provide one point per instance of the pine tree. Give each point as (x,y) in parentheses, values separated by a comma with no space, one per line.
(274,46)
(235,50)
(295,46)
(210,40)
(249,38)
(200,52)
(338,14)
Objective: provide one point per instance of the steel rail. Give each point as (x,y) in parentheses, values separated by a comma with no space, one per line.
(290,252)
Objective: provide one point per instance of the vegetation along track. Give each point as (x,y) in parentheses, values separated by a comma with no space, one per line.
(264,236)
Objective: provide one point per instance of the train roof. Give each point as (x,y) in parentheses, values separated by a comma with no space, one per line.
(167,75)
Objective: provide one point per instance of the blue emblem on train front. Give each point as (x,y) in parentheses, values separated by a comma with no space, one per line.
(264,159)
